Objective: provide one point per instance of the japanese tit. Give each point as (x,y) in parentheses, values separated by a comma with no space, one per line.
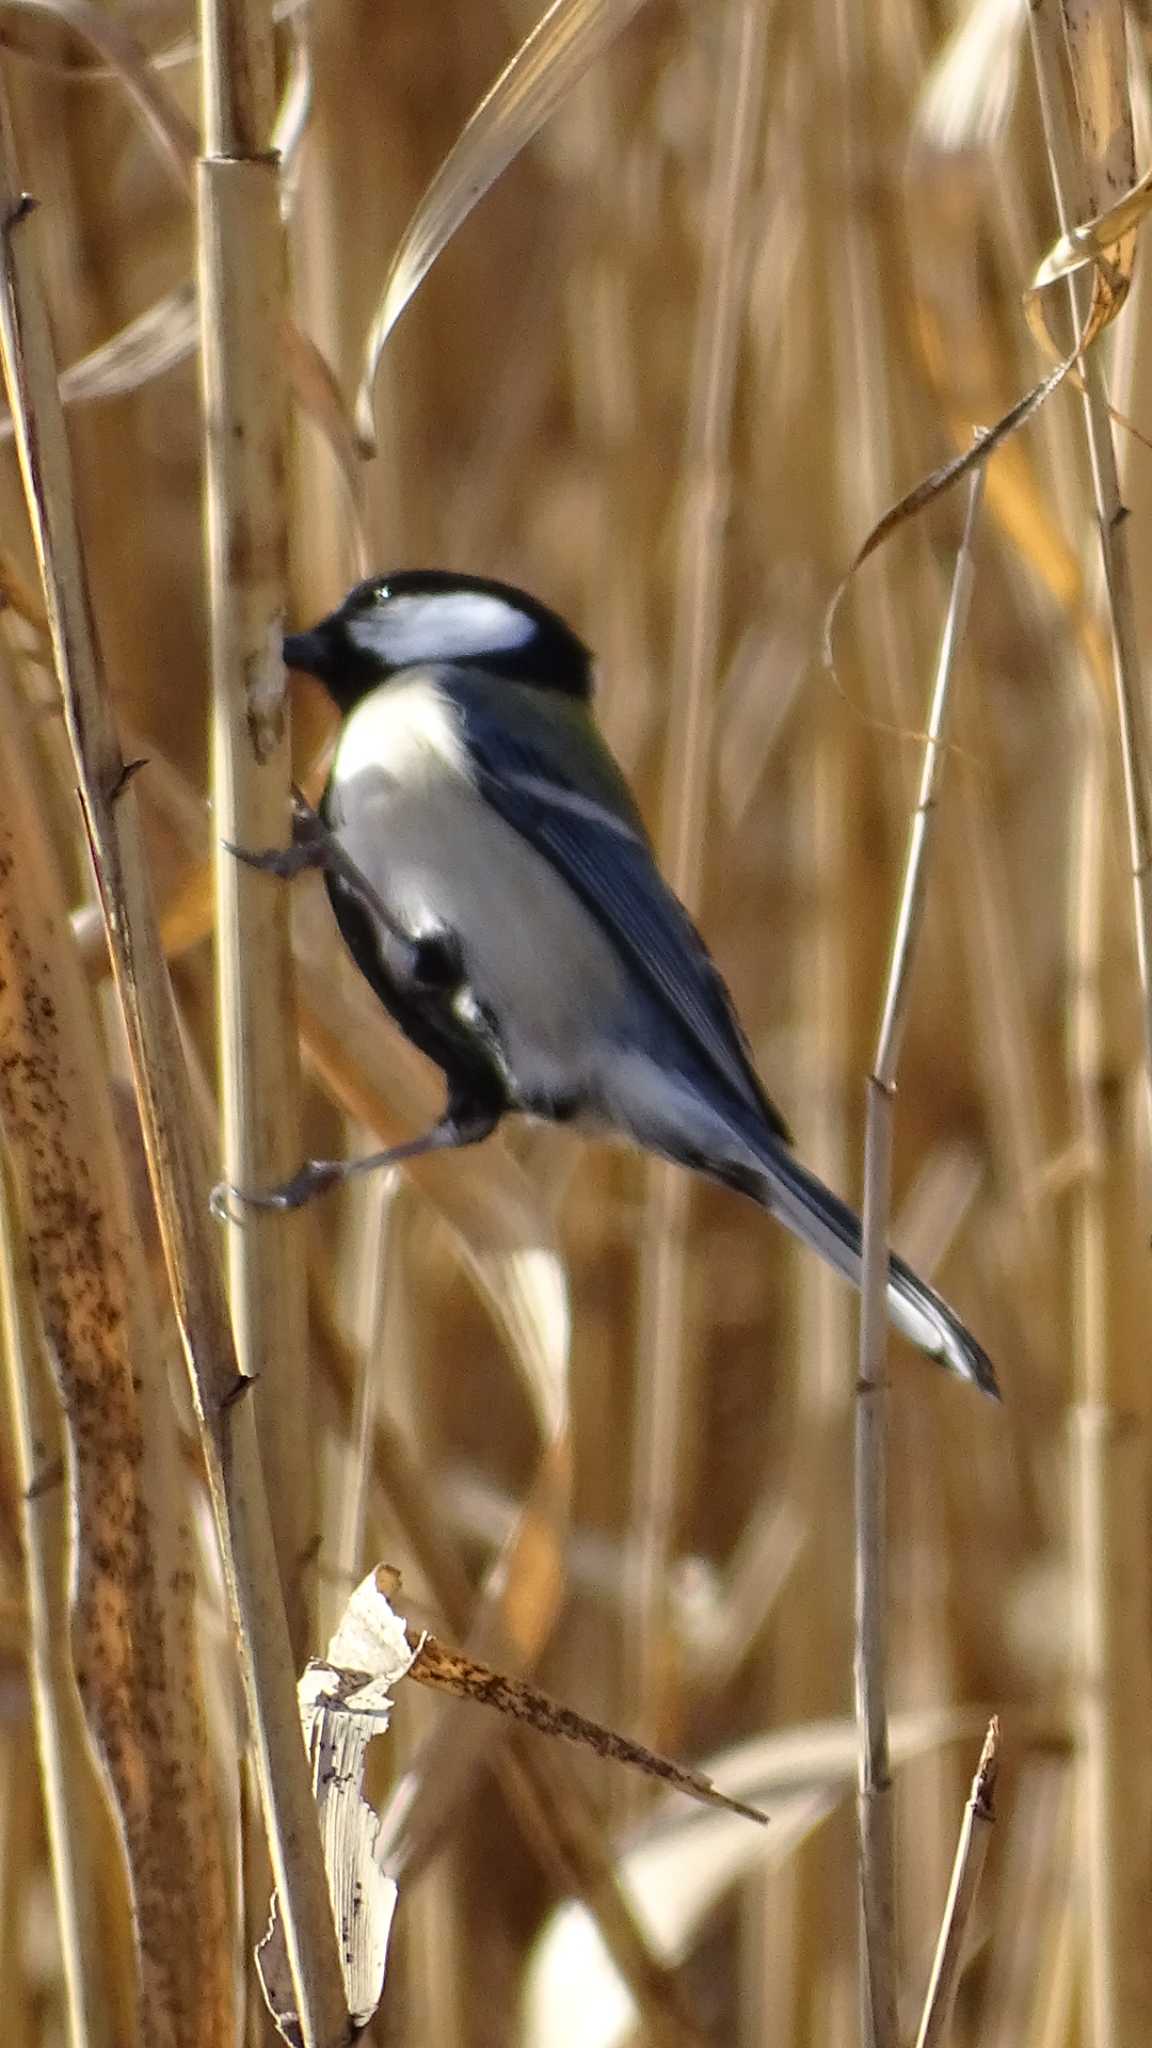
(495,884)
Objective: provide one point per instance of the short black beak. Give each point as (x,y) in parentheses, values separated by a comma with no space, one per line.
(308,652)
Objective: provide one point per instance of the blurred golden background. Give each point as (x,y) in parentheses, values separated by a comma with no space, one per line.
(760,272)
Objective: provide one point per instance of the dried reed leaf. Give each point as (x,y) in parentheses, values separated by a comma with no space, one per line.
(454,1672)
(549,62)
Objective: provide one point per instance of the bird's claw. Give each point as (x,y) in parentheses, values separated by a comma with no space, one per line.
(286,862)
(312,845)
(314,1178)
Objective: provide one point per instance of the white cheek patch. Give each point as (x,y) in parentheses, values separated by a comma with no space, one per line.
(443,626)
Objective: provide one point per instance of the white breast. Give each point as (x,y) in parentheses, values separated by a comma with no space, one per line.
(440,858)
(407,730)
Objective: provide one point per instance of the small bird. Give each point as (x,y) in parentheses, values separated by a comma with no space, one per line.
(494,882)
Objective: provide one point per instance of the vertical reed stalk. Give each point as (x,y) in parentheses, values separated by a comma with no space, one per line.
(665,1378)
(1076,200)
(877,1860)
(242,310)
(175,1159)
(1111,1458)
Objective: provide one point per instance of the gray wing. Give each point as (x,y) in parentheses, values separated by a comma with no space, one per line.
(611,867)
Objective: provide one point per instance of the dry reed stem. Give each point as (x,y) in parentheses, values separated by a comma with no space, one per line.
(175,1158)
(971,1849)
(81,1889)
(242,314)
(131,1631)
(1073,182)
(877,1860)
(1109,1460)
(667,1373)
(1111,1452)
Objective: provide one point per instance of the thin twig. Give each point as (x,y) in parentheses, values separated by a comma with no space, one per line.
(877,1880)
(175,1160)
(971,1849)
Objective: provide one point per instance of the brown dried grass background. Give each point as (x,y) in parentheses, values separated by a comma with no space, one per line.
(546,414)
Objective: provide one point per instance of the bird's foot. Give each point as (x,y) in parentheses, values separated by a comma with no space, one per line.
(312,846)
(315,1177)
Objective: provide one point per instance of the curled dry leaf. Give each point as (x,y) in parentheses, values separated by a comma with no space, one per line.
(1109,291)
(346,1700)
(1097,238)
(558,51)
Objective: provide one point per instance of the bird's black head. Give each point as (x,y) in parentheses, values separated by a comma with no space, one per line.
(419,616)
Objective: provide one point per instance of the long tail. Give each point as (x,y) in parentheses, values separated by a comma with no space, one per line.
(784,1187)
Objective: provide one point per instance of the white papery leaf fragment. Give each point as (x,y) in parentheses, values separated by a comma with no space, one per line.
(345,1701)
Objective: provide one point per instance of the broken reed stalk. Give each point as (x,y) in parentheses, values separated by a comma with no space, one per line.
(242,293)
(875,1825)
(971,1849)
(176,1162)
(668,1423)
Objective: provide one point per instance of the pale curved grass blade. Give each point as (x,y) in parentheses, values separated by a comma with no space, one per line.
(164,335)
(564,42)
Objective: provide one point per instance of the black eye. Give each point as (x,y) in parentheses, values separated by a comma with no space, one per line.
(381,594)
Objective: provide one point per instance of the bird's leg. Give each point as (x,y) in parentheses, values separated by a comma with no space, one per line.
(459,1126)
(314,846)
